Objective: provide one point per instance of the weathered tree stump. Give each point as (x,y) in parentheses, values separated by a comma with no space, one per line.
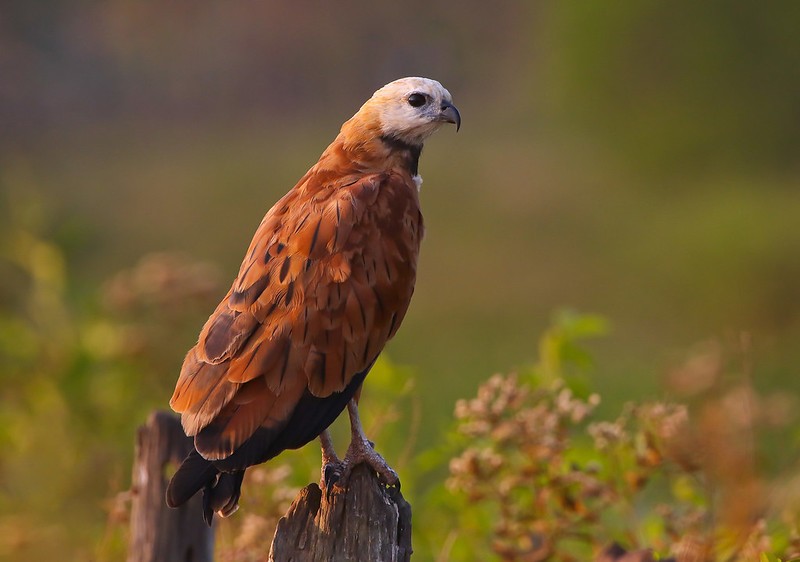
(366,522)
(158,533)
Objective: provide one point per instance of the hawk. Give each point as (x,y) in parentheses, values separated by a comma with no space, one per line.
(324,285)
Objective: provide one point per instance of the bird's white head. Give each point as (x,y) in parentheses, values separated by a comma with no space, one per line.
(410,110)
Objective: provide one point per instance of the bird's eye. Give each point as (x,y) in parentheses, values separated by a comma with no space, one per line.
(417,100)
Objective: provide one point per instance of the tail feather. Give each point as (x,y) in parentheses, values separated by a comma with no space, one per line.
(222,496)
(221,490)
(194,474)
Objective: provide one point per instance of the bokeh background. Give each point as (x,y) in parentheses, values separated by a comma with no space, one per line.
(637,160)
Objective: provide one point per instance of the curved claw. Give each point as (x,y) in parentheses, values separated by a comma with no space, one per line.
(332,473)
(337,474)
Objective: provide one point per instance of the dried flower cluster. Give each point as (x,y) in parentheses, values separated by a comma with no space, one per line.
(145,306)
(519,460)
(680,479)
(163,280)
(721,447)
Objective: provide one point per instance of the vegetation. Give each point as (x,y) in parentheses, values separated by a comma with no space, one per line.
(683,480)
(533,473)
(637,159)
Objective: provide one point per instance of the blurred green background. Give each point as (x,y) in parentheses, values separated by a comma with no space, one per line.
(638,160)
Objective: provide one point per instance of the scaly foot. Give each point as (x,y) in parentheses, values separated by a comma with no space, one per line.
(361,450)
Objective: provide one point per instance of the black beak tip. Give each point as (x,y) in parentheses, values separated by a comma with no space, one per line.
(451,115)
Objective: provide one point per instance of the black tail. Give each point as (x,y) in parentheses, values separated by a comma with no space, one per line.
(220,489)
(222,496)
(194,473)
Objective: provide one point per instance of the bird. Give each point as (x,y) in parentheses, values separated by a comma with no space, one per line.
(324,285)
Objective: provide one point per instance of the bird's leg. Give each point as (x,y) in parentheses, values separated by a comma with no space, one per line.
(362,450)
(328,451)
(331,463)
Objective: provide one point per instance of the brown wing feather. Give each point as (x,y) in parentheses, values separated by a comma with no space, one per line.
(253,406)
(328,275)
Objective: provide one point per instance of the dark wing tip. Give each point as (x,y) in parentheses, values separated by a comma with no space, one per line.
(194,473)
(222,496)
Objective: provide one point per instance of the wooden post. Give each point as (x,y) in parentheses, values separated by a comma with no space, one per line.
(366,522)
(158,533)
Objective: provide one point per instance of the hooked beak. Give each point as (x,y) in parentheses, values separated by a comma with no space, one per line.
(449,114)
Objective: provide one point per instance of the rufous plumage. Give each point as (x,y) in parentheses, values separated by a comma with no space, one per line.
(324,285)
